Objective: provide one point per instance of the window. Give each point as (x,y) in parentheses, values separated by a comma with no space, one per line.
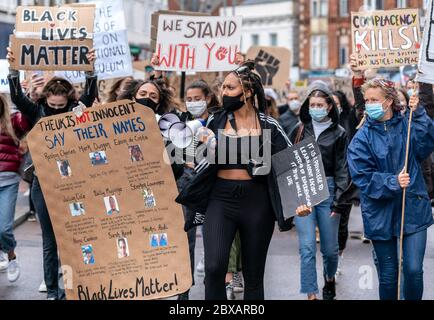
(319,8)
(344,50)
(374,4)
(343,8)
(255,40)
(319,51)
(401,3)
(273,39)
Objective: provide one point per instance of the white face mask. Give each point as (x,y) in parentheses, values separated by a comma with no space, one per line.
(196,108)
(294,105)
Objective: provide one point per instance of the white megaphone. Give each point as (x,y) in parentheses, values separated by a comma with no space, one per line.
(165,122)
(182,134)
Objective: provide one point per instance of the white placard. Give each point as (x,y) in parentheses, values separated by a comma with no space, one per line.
(4,71)
(110,42)
(198,43)
(426,60)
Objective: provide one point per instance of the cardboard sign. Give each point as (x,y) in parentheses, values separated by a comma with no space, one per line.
(426,63)
(110,43)
(4,72)
(57,38)
(300,176)
(201,44)
(386,38)
(110,196)
(272,64)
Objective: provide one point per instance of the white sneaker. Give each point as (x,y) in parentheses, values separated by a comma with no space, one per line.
(4,262)
(13,270)
(230,291)
(42,287)
(340,265)
(237,282)
(201,265)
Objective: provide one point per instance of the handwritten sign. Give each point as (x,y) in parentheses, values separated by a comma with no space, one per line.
(50,38)
(197,43)
(4,71)
(110,42)
(386,38)
(300,176)
(111,203)
(426,63)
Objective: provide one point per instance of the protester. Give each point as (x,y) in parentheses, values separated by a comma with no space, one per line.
(58,96)
(271,103)
(348,120)
(376,163)
(12,129)
(234,197)
(118,88)
(289,119)
(199,102)
(319,117)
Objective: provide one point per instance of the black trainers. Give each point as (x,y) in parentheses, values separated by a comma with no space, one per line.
(329,290)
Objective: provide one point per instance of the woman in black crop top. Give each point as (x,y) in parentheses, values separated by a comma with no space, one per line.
(239,195)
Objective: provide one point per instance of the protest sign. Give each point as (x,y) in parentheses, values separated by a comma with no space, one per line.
(110,196)
(197,43)
(426,63)
(300,176)
(272,64)
(4,71)
(53,38)
(113,58)
(385,38)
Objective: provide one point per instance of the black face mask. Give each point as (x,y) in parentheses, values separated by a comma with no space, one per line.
(232,103)
(148,103)
(52,111)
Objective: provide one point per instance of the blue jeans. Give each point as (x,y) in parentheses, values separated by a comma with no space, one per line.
(413,254)
(329,230)
(49,246)
(8,200)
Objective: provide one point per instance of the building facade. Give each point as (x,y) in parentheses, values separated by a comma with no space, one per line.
(325,29)
(268,23)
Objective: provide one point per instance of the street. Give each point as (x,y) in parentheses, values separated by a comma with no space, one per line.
(358,281)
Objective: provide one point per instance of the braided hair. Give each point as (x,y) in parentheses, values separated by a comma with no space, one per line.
(253,83)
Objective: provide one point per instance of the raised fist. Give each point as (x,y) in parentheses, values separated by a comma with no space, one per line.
(267,67)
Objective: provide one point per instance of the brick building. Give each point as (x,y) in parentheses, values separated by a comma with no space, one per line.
(325,29)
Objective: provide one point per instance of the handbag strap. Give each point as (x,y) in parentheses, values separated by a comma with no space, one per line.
(299,133)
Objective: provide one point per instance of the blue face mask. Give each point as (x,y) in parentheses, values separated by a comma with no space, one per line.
(375,110)
(318,114)
(410,92)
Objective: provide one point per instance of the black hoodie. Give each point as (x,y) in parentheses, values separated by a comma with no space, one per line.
(332,143)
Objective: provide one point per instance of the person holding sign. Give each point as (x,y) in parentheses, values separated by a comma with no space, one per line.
(376,159)
(58,96)
(319,117)
(242,194)
(12,129)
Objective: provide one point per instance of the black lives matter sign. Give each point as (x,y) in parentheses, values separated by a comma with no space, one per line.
(53,38)
(300,176)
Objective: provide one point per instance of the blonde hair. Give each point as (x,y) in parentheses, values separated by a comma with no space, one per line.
(5,120)
(389,90)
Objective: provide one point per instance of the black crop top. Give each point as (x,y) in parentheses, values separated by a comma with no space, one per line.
(235,152)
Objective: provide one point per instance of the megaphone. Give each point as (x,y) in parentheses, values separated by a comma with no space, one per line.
(166,121)
(182,134)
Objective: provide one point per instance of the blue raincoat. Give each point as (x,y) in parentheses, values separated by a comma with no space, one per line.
(376,156)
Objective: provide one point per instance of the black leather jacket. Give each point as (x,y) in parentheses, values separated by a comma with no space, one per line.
(196,194)
(333,144)
(37,110)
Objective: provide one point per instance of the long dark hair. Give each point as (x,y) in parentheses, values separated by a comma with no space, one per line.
(166,102)
(112,95)
(252,82)
(345,104)
(206,90)
(58,87)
